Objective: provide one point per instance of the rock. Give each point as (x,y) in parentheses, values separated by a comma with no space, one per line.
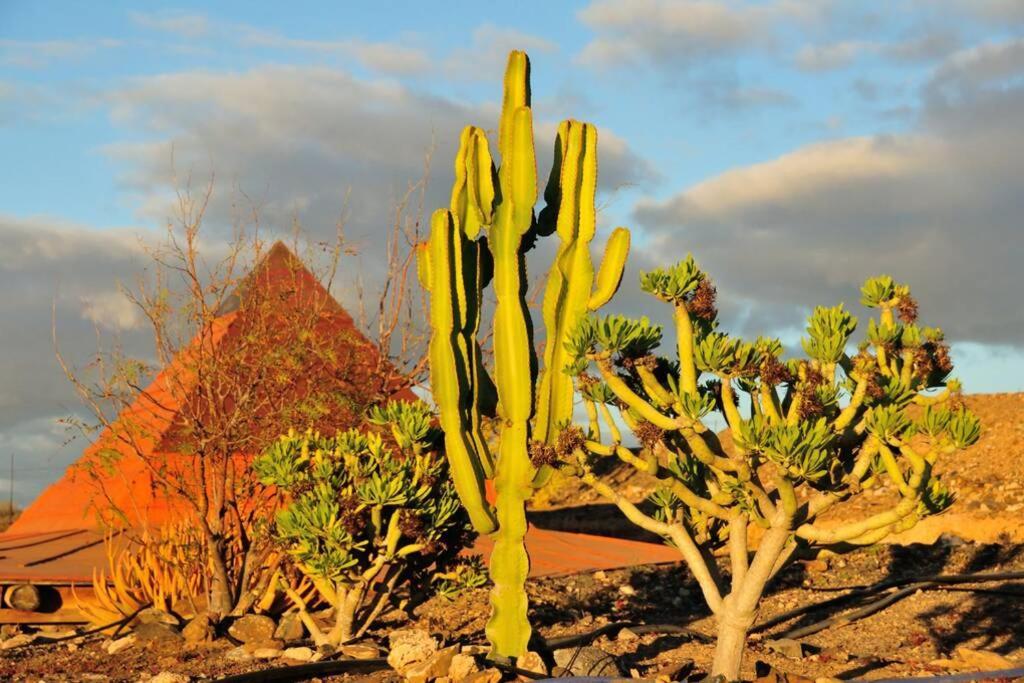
(485,676)
(155,631)
(238,654)
(787,647)
(252,627)
(267,653)
(626,589)
(533,663)
(115,646)
(408,647)
(983,660)
(18,641)
(586,661)
(359,651)
(9,631)
(816,566)
(461,667)
(600,575)
(302,654)
(169,677)
(434,667)
(290,628)
(199,629)
(268,644)
(152,615)
(627,634)
(53,634)
(675,671)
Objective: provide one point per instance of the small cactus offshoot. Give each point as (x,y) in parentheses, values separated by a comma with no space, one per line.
(808,434)
(368,512)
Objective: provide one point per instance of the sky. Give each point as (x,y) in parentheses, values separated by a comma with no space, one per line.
(794,147)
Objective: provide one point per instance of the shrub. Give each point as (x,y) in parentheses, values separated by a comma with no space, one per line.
(369,511)
(808,434)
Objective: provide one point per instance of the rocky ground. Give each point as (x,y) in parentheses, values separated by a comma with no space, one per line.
(926,633)
(929,630)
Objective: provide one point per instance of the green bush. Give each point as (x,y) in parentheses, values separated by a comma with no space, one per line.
(368,512)
(804,434)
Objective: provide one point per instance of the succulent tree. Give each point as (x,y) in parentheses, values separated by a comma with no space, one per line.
(803,435)
(480,240)
(367,512)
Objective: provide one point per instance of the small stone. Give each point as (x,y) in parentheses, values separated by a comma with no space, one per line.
(601,575)
(153,615)
(408,647)
(199,629)
(816,566)
(787,647)
(462,666)
(434,667)
(169,677)
(626,589)
(71,647)
(675,671)
(252,627)
(485,676)
(238,654)
(155,631)
(267,653)
(115,646)
(587,661)
(302,654)
(18,641)
(290,628)
(359,651)
(268,644)
(627,634)
(533,663)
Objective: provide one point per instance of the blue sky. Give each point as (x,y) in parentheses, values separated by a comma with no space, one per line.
(794,147)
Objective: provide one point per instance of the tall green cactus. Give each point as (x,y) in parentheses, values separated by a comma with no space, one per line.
(455,266)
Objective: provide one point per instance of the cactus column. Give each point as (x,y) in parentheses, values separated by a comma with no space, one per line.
(456,265)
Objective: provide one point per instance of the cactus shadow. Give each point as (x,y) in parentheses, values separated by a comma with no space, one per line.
(989,617)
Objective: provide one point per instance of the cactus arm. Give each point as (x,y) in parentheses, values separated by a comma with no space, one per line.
(684,335)
(613,265)
(595,425)
(508,629)
(571,277)
(770,403)
(732,414)
(656,390)
(847,414)
(448,376)
(631,399)
(613,429)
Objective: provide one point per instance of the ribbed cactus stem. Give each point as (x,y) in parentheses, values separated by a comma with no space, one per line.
(459,263)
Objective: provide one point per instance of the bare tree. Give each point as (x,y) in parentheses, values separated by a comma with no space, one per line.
(240,356)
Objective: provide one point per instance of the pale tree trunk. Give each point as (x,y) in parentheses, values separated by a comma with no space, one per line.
(221,600)
(739,608)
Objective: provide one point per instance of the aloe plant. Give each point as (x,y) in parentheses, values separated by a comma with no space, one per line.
(481,240)
(810,432)
(368,512)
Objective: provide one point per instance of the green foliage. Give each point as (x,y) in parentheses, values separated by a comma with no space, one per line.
(828,330)
(673,284)
(360,509)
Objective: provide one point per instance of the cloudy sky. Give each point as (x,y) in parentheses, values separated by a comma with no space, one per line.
(794,146)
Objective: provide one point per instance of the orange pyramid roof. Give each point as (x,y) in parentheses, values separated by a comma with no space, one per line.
(111,475)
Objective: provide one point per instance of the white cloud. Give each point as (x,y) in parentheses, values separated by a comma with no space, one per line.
(939,207)
(182,24)
(112,310)
(37,54)
(382,57)
(679,33)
